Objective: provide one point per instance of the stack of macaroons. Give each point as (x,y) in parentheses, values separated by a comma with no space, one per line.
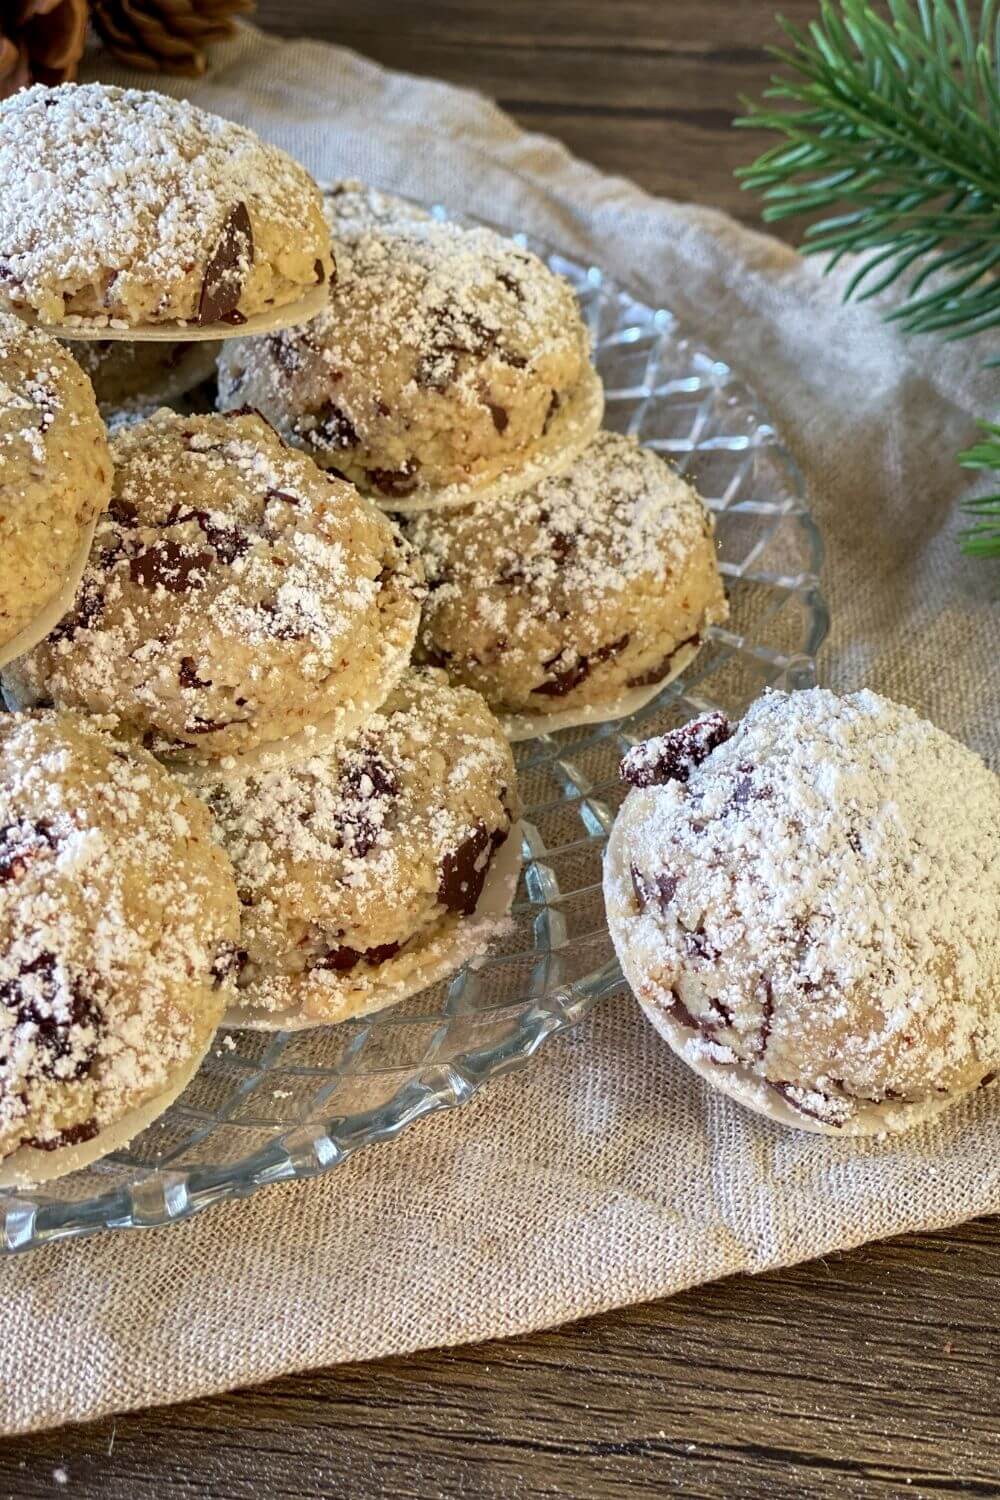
(572,573)
(250,620)
(224,791)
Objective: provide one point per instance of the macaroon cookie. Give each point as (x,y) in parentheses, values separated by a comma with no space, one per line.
(577,599)
(447,360)
(235,596)
(55,475)
(806,903)
(374,870)
(126,208)
(118,935)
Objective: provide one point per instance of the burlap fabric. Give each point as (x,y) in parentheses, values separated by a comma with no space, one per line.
(606,1173)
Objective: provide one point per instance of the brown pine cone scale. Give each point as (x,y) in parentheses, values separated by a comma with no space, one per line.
(165,36)
(41,41)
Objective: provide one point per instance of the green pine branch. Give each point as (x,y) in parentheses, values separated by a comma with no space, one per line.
(983,539)
(890,126)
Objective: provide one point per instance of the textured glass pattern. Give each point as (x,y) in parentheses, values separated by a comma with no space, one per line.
(264,1108)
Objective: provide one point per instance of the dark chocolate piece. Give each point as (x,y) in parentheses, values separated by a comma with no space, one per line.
(279,627)
(371,779)
(554,405)
(187,674)
(85,614)
(19,844)
(57,1035)
(707,1026)
(673,756)
(225,274)
(501,418)
(230,542)
(463,871)
(198,725)
(170,565)
(396,483)
(333,429)
(123,512)
(658,890)
(571,676)
(785,1091)
(696,944)
(70,1135)
(230,961)
(343,960)
(766,1019)
(511,284)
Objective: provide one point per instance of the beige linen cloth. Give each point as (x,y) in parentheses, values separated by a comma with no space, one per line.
(605,1173)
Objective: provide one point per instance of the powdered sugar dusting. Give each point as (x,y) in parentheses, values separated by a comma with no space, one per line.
(818,903)
(348,863)
(617,515)
(30,398)
(352,206)
(112,199)
(453,295)
(115,910)
(225,560)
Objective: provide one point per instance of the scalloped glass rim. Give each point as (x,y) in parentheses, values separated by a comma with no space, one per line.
(677,397)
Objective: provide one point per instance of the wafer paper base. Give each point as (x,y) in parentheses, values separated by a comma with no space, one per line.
(289,315)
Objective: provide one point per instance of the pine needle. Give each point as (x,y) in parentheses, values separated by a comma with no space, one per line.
(891,130)
(983,539)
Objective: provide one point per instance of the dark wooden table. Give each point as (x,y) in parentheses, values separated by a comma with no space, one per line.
(873,1374)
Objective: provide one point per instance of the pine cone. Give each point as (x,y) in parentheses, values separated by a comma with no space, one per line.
(41,41)
(165,36)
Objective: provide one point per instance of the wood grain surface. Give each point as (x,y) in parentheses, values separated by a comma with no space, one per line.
(873,1374)
(645,88)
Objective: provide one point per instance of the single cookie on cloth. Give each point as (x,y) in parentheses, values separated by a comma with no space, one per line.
(127,376)
(123,207)
(375,870)
(55,474)
(577,598)
(118,929)
(807,906)
(446,360)
(235,596)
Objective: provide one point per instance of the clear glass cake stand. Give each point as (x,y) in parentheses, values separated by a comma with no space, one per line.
(264,1109)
